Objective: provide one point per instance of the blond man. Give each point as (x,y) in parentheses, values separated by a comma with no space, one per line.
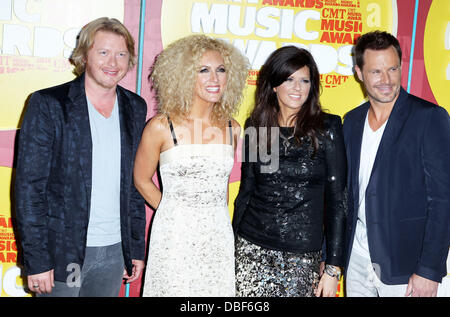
(80,219)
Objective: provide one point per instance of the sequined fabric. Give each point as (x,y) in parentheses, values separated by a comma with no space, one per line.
(262,272)
(191,250)
(292,208)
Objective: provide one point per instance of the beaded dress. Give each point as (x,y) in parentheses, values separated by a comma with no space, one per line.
(191,252)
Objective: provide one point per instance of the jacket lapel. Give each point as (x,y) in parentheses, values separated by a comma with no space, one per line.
(391,133)
(78,115)
(356,142)
(126,138)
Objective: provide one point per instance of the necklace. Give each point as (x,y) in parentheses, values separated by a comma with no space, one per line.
(286,141)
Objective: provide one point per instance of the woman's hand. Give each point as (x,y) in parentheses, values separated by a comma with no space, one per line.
(327,286)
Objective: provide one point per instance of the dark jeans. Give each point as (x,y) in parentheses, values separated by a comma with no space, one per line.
(101,275)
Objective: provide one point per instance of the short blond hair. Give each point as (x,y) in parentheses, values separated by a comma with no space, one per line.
(85,40)
(175,72)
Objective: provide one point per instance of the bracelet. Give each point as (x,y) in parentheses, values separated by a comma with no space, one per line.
(332,271)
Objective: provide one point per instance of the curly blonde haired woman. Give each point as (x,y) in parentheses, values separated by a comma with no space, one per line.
(198,82)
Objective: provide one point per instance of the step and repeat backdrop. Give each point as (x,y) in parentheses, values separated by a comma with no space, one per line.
(38,36)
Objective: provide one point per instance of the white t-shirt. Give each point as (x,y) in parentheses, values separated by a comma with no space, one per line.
(369,147)
(104,218)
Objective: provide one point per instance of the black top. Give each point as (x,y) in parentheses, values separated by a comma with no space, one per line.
(289,208)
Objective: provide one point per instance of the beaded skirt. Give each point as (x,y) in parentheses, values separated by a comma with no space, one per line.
(263,272)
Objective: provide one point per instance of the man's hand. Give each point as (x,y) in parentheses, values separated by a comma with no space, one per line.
(421,287)
(138,267)
(41,283)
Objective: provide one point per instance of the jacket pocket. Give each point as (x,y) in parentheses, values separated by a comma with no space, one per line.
(413,219)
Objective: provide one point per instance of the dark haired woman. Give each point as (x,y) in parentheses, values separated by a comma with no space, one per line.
(282,217)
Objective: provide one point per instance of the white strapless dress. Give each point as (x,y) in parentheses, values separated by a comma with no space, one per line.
(191,251)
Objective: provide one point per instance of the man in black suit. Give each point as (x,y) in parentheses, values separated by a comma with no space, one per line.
(80,219)
(398,153)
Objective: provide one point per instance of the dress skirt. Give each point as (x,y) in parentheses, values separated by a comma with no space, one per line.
(263,272)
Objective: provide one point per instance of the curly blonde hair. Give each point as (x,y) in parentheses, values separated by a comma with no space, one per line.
(174,75)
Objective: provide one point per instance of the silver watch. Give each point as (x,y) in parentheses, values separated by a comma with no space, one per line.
(332,271)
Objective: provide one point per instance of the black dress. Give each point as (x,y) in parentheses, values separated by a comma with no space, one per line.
(281,217)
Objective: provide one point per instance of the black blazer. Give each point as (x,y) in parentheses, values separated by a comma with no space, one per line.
(407,198)
(292,209)
(54,178)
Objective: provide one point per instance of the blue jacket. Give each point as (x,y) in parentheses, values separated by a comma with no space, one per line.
(407,198)
(54,178)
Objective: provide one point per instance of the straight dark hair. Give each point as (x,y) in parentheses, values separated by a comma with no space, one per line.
(281,64)
(376,40)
